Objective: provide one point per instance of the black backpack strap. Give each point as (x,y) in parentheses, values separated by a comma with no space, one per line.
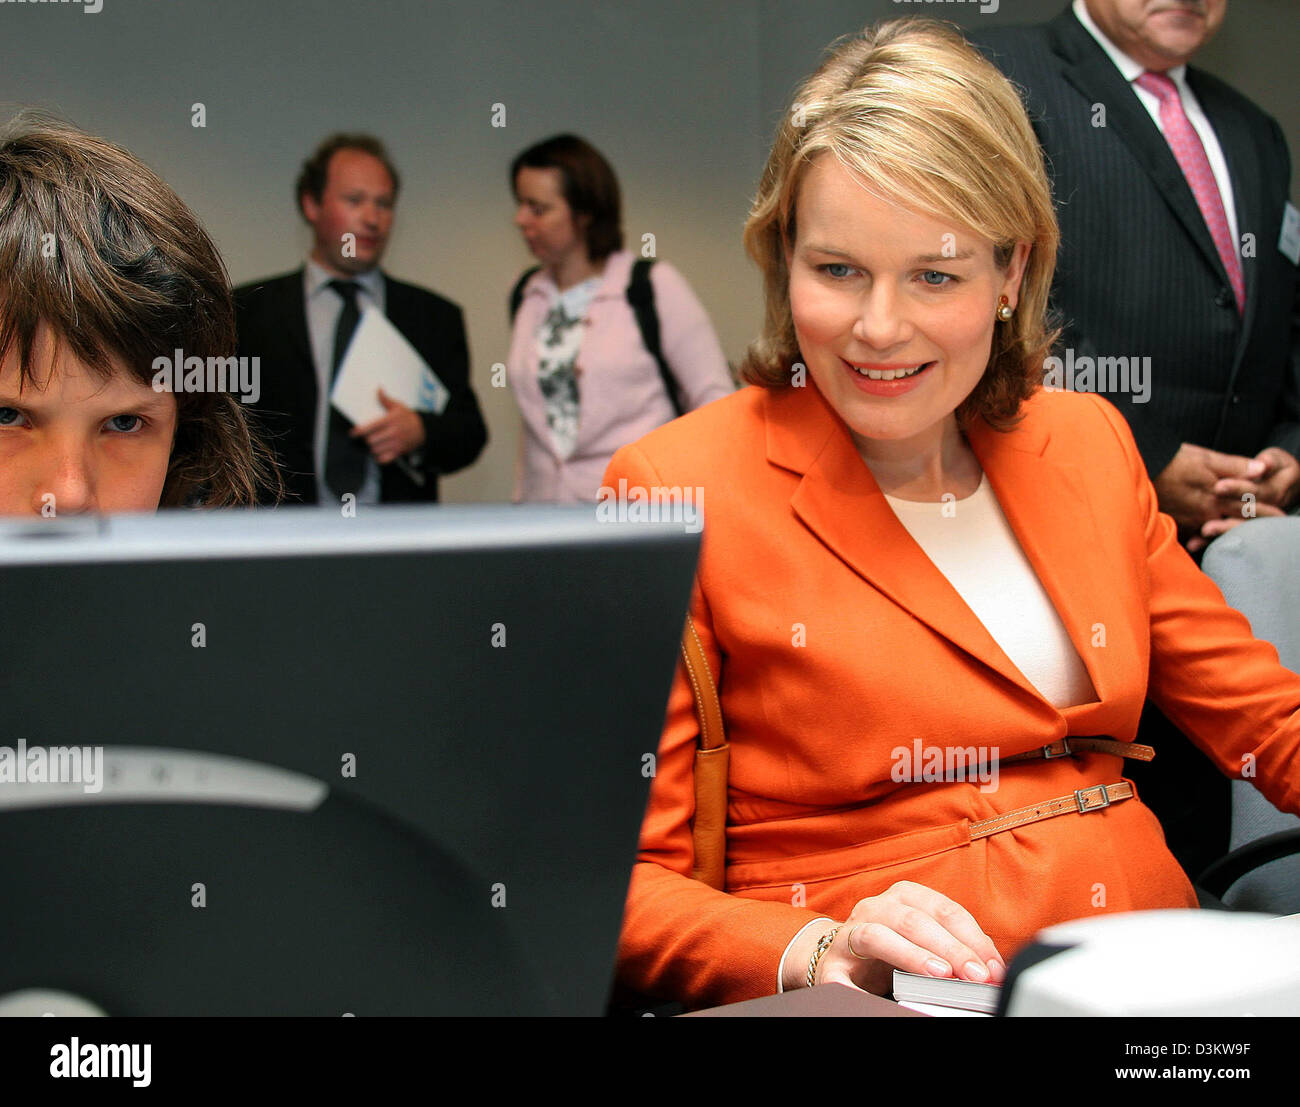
(517,293)
(641,295)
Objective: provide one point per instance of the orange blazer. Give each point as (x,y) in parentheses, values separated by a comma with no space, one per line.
(836,641)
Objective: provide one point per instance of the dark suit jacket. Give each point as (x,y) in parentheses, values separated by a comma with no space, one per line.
(1138,273)
(272,320)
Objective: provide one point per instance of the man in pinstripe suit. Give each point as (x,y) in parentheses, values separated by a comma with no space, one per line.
(1176,244)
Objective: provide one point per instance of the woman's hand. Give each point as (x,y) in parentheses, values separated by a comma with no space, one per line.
(908,927)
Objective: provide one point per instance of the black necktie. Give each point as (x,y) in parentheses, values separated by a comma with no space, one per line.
(345,458)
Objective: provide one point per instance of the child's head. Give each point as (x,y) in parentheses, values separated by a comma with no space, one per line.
(102,270)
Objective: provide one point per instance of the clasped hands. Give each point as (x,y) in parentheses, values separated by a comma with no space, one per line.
(1208,493)
(398,431)
(909,927)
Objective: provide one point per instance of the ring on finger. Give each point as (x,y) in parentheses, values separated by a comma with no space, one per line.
(859,956)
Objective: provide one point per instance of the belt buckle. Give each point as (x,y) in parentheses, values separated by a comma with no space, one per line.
(1048,755)
(1083,806)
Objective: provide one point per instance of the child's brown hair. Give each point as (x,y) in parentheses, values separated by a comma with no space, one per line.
(95,246)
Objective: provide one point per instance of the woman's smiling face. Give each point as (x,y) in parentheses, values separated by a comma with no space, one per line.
(72,442)
(878,291)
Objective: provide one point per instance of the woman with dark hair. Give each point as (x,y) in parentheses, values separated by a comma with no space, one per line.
(583,364)
(104,275)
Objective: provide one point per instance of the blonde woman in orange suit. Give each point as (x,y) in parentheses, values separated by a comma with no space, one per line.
(910,547)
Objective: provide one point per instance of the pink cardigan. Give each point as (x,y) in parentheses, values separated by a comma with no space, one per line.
(620,390)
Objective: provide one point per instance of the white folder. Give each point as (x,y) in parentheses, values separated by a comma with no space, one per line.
(379,356)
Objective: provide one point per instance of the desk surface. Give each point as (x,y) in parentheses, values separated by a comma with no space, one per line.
(835,1000)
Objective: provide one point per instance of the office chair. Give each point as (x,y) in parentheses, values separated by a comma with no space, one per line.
(1255,566)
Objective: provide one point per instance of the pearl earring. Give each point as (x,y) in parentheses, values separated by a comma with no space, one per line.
(1005,310)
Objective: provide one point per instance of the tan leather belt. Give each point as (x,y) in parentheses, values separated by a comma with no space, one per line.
(1067,746)
(1082,801)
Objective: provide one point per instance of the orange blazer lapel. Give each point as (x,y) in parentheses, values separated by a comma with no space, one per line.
(1046,504)
(1056,514)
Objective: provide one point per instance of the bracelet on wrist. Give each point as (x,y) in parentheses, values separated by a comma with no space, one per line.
(823,944)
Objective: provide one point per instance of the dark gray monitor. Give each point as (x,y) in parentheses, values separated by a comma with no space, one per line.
(391,764)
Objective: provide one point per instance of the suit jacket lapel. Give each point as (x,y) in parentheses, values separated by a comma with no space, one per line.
(1091,71)
(295,317)
(400,310)
(839,501)
(1049,506)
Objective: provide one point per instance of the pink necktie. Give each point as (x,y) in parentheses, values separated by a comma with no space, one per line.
(1190,154)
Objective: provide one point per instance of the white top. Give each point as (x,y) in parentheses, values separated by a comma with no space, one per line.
(558,343)
(1131,71)
(971,543)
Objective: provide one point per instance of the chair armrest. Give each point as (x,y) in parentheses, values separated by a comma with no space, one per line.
(1226,871)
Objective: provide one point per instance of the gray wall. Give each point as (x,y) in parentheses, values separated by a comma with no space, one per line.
(681,96)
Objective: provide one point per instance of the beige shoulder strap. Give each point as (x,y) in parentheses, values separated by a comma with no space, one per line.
(709,828)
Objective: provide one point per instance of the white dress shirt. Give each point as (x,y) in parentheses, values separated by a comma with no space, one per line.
(324,306)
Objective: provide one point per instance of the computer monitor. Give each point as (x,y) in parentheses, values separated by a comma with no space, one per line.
(390,764)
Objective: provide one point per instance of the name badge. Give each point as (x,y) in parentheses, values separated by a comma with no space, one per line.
(1289,240)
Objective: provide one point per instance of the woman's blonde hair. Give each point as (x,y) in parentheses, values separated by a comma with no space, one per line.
(928,124)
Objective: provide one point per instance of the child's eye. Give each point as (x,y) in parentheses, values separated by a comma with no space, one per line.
(125,424)
(944,278)
(10,417)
